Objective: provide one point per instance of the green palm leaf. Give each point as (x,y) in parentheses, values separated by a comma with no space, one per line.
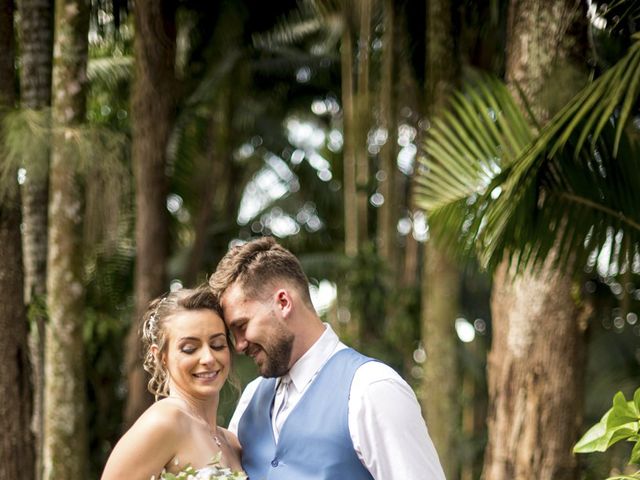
(466,148)
(572,189)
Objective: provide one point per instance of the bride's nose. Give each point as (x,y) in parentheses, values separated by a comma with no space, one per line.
(207,358)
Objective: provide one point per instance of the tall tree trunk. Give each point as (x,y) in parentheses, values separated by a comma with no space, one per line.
(440,385)
(16,445)
(387,213)
(536,363)
(535,374)
(440,278)
(36,40)
(363,118)
(153,104)
(348,127)
(65,443)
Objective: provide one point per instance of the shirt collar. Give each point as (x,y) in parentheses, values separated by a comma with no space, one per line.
(307,366)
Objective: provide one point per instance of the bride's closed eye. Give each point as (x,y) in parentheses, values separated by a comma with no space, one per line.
(188,349)
(219,344)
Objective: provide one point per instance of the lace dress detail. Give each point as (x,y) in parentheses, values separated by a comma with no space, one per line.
(210,472)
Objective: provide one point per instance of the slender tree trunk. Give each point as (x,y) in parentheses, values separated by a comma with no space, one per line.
(439,391)
(362,103)
(36,35)
(153,104)
(387,213)
(65,444)
(536,363)
(348,127)
(440,278)
(16,443)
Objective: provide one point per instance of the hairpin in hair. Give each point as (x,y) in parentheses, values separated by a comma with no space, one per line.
(153,318)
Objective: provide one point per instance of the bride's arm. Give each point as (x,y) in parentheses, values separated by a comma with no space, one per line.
(146,448)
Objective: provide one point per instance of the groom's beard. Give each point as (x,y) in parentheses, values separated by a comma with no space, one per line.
(275,352)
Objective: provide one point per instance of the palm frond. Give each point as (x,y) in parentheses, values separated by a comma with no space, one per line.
(465,149)
(571,191)
(315,21)
(582,164)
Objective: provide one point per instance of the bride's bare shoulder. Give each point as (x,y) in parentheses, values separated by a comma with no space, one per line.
(166,414)
(149,444)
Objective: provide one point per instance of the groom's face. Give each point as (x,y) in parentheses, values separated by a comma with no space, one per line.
(259,331)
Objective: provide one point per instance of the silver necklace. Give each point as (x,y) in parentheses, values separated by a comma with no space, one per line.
(215,437)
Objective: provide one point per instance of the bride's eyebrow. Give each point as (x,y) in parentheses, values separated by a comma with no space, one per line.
(193,339)
(196,339)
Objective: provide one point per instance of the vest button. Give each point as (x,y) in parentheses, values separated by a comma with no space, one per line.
(274,462)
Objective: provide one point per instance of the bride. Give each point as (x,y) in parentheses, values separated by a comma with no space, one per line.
(188,356)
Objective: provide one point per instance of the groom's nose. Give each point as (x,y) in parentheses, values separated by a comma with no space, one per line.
(241,343)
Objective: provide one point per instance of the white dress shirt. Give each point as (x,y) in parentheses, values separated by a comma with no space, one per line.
(386,426)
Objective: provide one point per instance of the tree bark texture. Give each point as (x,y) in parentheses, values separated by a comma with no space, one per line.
(440,387)
(65,439)
(541,37)
(440,278)
(36,35)
(536,364)
(535,377)
(16,442)
(153,105)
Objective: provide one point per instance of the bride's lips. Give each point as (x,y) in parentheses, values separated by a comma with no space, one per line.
(206,375)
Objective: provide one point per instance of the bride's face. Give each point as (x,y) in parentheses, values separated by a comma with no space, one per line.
(198,358)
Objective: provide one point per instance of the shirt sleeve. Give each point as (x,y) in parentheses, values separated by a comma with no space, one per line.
(387,428)
(243,403)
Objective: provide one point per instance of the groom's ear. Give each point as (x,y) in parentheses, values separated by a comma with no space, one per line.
(284,303)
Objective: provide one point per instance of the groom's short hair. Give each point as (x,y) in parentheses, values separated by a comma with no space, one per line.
(258,264)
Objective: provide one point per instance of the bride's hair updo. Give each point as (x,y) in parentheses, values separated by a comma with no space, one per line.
(154,330)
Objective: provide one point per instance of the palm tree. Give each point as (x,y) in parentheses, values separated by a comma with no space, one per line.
(548,200)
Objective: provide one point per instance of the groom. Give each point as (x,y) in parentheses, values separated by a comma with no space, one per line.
(320,410)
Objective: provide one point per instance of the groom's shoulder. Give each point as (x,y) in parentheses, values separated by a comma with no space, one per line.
(377,376)
(376,370)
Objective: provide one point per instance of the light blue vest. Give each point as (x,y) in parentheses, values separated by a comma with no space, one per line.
(314,441)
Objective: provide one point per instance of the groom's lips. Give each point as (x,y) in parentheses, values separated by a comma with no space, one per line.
(253,351)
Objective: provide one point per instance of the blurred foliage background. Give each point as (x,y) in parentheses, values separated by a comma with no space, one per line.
(333,126)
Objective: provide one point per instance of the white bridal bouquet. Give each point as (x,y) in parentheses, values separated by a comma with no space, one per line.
(213,471)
